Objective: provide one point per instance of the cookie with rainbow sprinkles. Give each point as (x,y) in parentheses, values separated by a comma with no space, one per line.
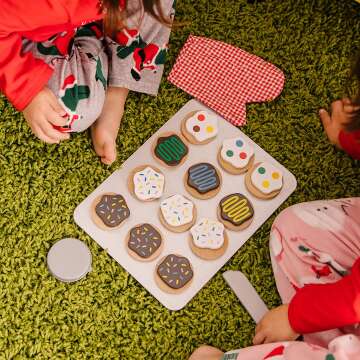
(200,127)
(170,149)
(264,180)
(177,213)
(236,155)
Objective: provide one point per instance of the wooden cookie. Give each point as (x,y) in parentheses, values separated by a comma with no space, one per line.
(236,155)
(208,239)
(203,181)
(264,180)
(170,149)
(177,213)
(235,211)
(174,274)
(109,211)
(144,242)
(199,127)
(146,183)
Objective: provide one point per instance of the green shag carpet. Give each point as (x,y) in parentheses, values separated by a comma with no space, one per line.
(109,315)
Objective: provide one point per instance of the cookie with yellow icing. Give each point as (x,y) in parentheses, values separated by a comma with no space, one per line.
(146,183)
(236,155)
(264,180)
(200,127)
(208,239)
(235,211)
(177,213)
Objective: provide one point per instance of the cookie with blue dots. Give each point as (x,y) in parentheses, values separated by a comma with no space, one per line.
(264,180)
(236,155)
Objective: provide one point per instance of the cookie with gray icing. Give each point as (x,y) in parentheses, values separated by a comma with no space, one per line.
(202,180)
(110,211)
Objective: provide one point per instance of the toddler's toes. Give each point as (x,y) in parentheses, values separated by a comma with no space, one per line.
(108,155)
(325,118)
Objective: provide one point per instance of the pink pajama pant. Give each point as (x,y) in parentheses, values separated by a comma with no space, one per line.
(311,243)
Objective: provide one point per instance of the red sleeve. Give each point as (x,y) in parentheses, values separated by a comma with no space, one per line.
(21,75)
(350,142)
(322,307)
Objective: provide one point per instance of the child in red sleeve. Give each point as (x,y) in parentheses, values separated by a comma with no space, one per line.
(315,253)
(69,65)
(343,125)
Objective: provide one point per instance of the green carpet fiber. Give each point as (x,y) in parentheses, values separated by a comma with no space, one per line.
(109,315)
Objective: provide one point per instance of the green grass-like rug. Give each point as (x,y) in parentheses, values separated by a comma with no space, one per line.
(109,315)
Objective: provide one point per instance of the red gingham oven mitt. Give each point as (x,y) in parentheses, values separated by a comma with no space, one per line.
(225,78)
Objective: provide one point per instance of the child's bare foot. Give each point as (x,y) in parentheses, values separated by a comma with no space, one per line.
(104,131)
(205,352)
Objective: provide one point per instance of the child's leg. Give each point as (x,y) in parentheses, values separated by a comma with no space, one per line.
(341,348)
(80,72)
(315,242)
(205,352)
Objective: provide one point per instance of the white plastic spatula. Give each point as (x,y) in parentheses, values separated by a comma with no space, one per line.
(246,294)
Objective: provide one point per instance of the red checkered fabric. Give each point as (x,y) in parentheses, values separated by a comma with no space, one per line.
(225,78)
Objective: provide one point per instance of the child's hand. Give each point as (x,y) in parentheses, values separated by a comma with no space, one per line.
(274,326)
(42,113)
(341,115)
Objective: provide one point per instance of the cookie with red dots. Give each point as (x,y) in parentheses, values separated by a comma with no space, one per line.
(264,180)
(236,155)
(199,127)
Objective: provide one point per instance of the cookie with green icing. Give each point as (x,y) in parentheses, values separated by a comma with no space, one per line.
(170,149)
(174,273)
(110,211)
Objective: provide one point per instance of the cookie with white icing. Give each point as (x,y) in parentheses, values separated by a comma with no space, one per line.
(235,211)
(236,155)
(146,183)
(200,127)
(264,180)
(144,242)
(208,239)
(202,180)
(109,211)
(170,149)
(177,213)
(174,273)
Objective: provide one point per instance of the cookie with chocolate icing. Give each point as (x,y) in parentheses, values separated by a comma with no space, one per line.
(109,211)
(208,239)
(202,180)
(146,183)
(264,180)
(200,127)
(170,149)
(235,211)
(174,274)
(144,242)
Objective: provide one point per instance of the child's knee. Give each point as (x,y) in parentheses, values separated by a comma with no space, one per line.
(205,352)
